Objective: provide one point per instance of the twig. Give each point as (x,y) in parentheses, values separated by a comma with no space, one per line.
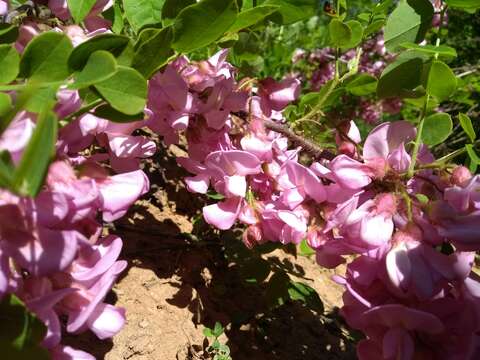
(308,146)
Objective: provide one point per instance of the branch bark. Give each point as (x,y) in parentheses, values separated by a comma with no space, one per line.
(308,146)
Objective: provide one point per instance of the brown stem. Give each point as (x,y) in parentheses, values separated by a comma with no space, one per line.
(308,146)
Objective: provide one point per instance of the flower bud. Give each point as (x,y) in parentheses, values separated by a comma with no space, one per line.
(252,236)
(460,175)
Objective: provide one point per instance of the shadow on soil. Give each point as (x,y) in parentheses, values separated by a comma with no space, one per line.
(213,284)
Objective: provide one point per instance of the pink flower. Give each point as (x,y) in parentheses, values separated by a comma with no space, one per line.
(68,353)
(226,170)
(298,182)
(350,173)
(390,327)
(86,310)
(3,7)
(371,225)
(119,192)
(387,142)
(277,95)
(224,214)
(31,239)
(16,137)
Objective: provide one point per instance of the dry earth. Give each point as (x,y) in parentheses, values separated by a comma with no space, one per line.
(175,285)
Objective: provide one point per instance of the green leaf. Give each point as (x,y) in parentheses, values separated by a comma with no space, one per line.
(305,249)
(422,198)
(114,14)
(442,50)
(467,126)
(357,33)
(292,11)
(306,294)
(80,8)
(6,169)
(201,24)
(382,7)
(45,57)
(436,129)
(125,57)
(144,35)
(112,43)
(31,171)
(5,103)
(207,332)
(441,81)
(467,5)
(218,329)
(400,78)
(154,53)
(214,195)
(8,33)
(143,12)
(361,85)
(228,41)
(126,91)
(251,17)
(472,154)
(41,99)
(20,331)
(409,22)
(100,66)
(109,113)
(374,27)
(340,33)
(9,63)
(172,8)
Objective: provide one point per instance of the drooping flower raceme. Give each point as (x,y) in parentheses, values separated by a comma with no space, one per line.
(410,286)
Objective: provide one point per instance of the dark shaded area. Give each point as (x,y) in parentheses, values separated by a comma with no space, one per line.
(213,269)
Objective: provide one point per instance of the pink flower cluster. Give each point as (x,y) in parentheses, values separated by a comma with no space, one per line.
(409,242)
(54,254)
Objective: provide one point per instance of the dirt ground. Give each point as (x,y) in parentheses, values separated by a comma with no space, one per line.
(176,285)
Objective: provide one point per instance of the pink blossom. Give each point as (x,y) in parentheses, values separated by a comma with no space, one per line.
(387,141)
(277,95)
(3,7)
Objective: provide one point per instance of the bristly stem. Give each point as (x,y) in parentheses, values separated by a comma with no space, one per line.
(418,139)
(308,146)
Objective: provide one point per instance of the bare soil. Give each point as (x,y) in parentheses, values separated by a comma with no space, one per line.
(176,284)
